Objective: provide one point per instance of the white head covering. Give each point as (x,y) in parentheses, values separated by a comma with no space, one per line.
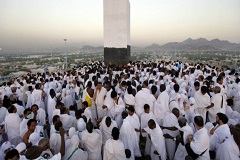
(34,138)
(72,132)
(74,144)
(6,145)
(192,101)
(172,105)
(20,147)
(81,125)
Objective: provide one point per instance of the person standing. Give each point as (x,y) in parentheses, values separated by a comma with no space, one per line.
(158,149)
(12,125)
(170,121)
(142,97)
(218,104)
(202,102)
(106,127)
(114,148)
(51,105)
(199,142)
(230,149)
(99,95)
(92,142)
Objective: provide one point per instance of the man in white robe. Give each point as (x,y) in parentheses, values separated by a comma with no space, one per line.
(77,89)
(56,119)
(23,124)
(12,126)
(37,96)
(170,121)
(57,109)
(189,113)
(114,148)
(39,114)
(57,138)
(195,88)
(8,89)
(66,119)
(218,104)
(117,109)
(220,83)
(222,131)
(145,117)
(185,131)
(5,148)
(161,107)
(19,93)
(202,102)
(108,101)
(106,126)
(129,137)
(29,98)
(20,109)
(129,99)
(51,105)
(158,149)
(174,94)
(3,111)
(92,142)
(99,95)
(229,149)
(199,142)
(87,111)
(68,99)
(73,152)
(142,97)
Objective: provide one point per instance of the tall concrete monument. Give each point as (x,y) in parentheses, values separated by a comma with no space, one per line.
(116,31)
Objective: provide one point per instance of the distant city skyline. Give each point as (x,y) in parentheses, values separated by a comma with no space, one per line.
(44,24)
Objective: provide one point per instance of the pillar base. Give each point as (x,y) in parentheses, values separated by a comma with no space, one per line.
(117,56)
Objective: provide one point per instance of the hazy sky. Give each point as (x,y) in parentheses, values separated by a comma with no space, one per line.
(44,23)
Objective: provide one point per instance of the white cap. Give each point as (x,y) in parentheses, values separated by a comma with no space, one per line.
(81,125)
(20,147)
(34,138)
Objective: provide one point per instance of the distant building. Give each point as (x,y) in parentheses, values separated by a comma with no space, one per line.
(116,31)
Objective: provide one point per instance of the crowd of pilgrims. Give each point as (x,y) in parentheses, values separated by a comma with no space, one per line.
(142,110)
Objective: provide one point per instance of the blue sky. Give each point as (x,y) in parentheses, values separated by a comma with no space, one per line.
(44,23)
